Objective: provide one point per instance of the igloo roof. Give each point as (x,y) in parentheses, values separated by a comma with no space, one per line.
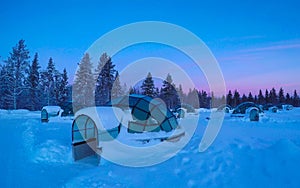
(147,111)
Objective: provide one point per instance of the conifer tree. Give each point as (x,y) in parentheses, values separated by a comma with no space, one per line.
(250,97)
(229,98)
(16,74)
(267,97)
(273,96)
(281,96)
(148,87)
(296,100)
(63,89)
(169,93)
(82,93)
(288,99)
(105,77)
(260,98)
(117,89)
(236,98)
(244,98)
(34,98)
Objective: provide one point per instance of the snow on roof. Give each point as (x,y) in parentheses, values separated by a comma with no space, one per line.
(51,109)
(105,117)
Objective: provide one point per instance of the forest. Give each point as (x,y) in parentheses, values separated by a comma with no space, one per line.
(26,85)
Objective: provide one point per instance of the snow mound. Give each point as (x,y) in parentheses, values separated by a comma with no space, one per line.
(52,152)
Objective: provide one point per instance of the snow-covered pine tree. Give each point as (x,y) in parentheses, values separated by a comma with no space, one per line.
(148,87)
(82,93)
(34,98)
(181,94)
(56,89)
(169,93)
(193,98)
(63,89)
(50,84)
(105,76)
(16,74)
(2,87)
(117,89)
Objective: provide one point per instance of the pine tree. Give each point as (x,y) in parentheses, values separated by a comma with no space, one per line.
(34,98)
(169,93)
(236,98)
(288,99)
(204,100)
(16,74)
(260,98)
(267,97)
(63,89)
(49,78)
(82,93)
(180,93)
(117,89)
(255,99)
(192,98)
(105,77)
(281,96)
(148,87)
(229,98)
(2,87)
(273,96)
(244,98)
(296,100)
(250,97)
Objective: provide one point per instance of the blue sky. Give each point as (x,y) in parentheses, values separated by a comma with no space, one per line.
(257,43)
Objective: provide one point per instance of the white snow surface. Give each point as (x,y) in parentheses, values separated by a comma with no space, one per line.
(244,154)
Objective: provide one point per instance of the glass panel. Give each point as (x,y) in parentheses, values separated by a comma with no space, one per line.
(166,126)
(80,122)
(78,136)
(90,133)
(139,114)
(90,124)
(144,105)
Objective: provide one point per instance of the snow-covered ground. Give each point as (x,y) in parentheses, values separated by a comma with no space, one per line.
(244,154)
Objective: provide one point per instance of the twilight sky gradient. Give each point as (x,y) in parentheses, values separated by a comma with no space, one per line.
(257,43)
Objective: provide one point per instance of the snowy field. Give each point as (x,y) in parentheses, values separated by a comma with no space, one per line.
(245,154)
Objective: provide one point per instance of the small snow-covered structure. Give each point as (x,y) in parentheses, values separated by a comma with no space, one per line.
(180,112)
(270,107)
(249,110)
(44,115)
(242,108)
(53,110)
(188,108)
(253,113)
(225,107)
(50,111)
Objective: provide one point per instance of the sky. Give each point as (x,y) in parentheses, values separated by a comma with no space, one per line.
(256,43)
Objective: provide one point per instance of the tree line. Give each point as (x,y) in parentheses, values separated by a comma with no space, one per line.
(24,85)
(268,97)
